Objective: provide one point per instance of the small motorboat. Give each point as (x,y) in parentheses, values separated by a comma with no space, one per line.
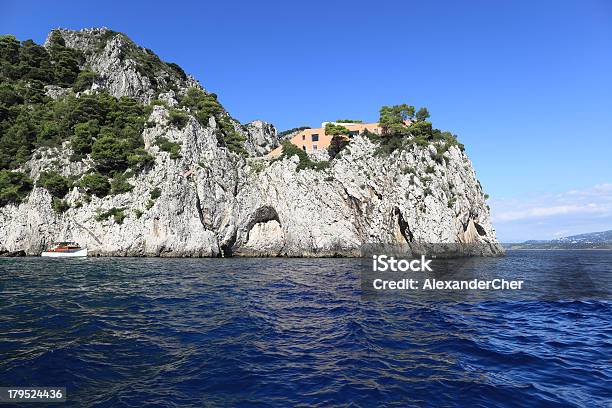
(65,250)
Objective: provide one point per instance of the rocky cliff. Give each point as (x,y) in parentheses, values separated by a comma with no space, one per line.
(215,202)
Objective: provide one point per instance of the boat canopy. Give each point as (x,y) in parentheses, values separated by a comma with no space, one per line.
(66,244)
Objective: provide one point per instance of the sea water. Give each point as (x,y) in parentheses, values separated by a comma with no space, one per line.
(124,332)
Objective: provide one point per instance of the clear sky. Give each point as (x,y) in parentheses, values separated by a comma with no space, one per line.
(526,85)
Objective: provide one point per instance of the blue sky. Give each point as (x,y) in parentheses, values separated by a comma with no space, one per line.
(526,85)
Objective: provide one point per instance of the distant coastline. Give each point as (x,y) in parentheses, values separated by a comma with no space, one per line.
(601,240)
(556,247)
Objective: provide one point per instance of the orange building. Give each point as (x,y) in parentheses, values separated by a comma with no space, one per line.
(312,140)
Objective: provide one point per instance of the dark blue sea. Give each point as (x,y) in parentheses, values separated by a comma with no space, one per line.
(132,332)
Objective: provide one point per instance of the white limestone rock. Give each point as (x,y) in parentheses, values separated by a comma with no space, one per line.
(261,138)
(217,203)
(114,58)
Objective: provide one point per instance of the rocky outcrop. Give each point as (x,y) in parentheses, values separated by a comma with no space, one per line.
(56,92)
(216,203)
(122,67)
(227,205)
(261,138)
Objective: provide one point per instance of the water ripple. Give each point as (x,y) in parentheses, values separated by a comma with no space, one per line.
(278,332)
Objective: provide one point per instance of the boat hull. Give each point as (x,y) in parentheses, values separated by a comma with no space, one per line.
(65,254)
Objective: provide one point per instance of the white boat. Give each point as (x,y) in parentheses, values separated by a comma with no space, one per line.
(65,250)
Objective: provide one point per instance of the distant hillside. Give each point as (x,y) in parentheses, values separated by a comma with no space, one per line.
(591,240)
(592,237)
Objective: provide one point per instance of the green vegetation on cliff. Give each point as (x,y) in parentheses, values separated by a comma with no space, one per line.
(59,205)
(178,118)
(335,130)
(96,184)
(336,145)
(403,126)
(165,145)
(148,64)
(108,128)
(349,121)
(57,185)
(289,149)
(287,132)
(205,106)
(28,61)
(46,101)
(339,140)
(118,215)
(14,187)
(120,184)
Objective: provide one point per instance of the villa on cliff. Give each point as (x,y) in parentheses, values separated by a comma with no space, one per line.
(313,140)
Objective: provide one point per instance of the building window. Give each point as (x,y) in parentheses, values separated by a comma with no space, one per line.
(315,137)
(314,147)
(303,137)
(304,147)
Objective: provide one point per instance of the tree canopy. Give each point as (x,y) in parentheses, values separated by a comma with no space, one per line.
(14,187)
(96,183)
(57,185)
(29,119)
(96,124)
(349,121)
(336,145)
(393,118)
(333,129)
(403,125)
